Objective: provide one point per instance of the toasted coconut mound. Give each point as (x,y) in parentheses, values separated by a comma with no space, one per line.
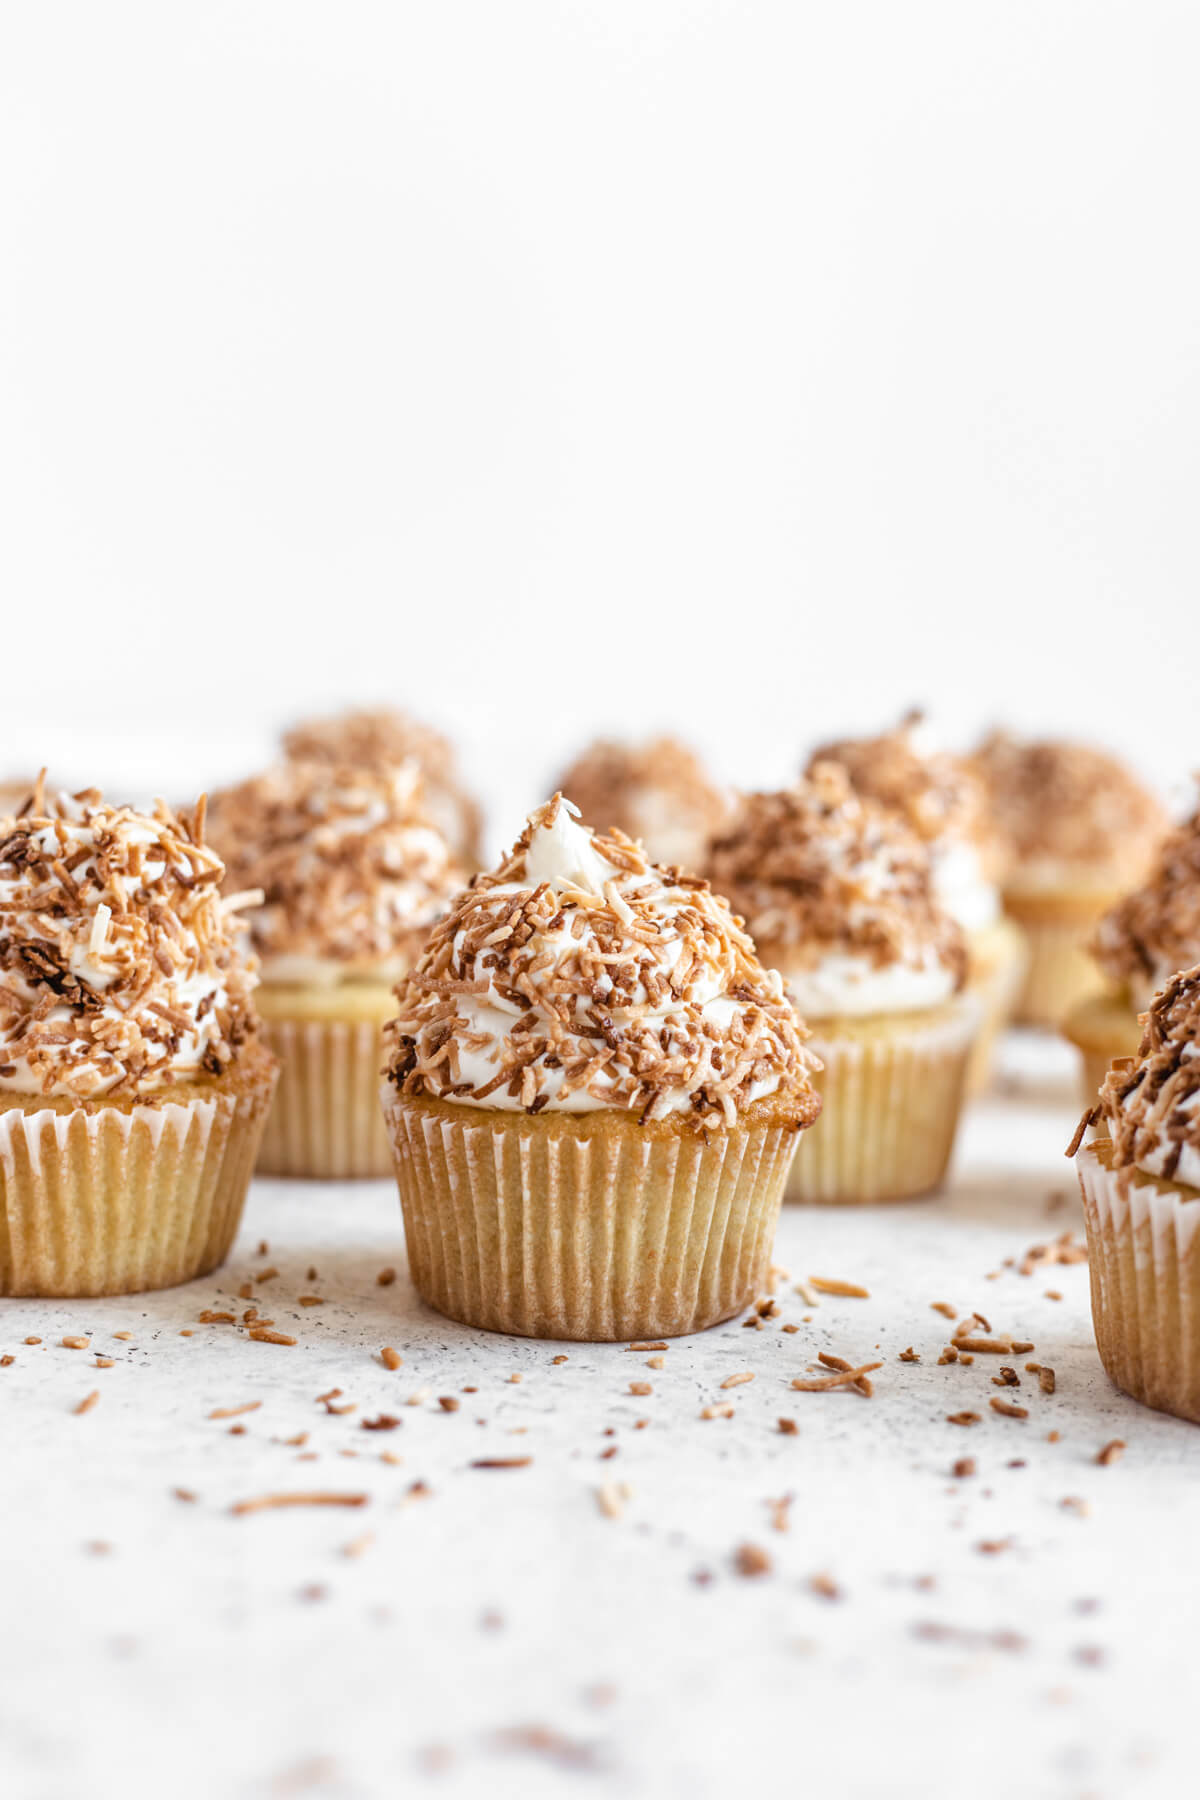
(1155,930)
(816,869)
(937,793)
(351,869)
(121,968)
(1068,803)
(580,976)
(658,793)
(380,739)
(1149,1105)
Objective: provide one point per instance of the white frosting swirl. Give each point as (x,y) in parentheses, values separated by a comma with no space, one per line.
(119,963)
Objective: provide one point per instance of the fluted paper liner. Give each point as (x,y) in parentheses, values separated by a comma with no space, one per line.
(586,1226)
(1060,971)
(998,959)
(1144,1256)
(326,1120)
(892,1091)
(117,1200)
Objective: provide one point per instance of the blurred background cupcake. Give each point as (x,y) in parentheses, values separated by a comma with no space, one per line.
(1078,830)
(382,738)
(133,1086)
(594,1092)
(943,800)
(837,893)
(658,793)
(1141,1205)
(1138,945)
(350,873)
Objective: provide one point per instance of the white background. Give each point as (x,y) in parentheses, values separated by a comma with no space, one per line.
(754,369)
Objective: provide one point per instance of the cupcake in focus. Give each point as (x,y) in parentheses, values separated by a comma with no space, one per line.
(1138,945)
(837,894)
(1141,1201)
(594,1093)
(382,739)
(658,793)
(351,874)
(945,803)
(133,1086)
(1078,831)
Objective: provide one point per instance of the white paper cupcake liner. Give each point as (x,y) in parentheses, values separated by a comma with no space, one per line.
(115,1200)
(1144,1256)
(326,1121)
(543,1227)
(890,1108)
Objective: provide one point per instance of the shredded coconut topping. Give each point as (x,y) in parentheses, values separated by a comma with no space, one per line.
(121,969)
(937,793)
(578,975)
(1068,803)
(351,869)
(381,739)
(1150,1104)
(816,869)
(1155,930)
(658,793)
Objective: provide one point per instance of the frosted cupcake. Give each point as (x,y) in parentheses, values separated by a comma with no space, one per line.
(1141,1202)
(382,739)
(1137,946)
(594,1093)
(352,875)
(945,803)
(837,894)
(133,1087)
(1079,830)
(658,793)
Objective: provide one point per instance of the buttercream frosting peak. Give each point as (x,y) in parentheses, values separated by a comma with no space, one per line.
(120,966)
(580,976)
(350,867)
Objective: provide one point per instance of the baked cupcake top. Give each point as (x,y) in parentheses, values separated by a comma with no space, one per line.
(1150,1104)
(351,869)
(1068,812)
(837,892)
(579,976)
(121,970)
(658,793)
(1155,930)
(943,800)
(381,738)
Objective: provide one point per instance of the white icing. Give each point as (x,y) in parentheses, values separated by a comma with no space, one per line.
(844,984)
(563,854)
(960,885)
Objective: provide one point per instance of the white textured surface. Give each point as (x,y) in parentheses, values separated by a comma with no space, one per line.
(186,1660)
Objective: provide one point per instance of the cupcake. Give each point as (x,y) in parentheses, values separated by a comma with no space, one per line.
(837,893)
(1141,1202)
(384,739)
(1139,943)
(594,1093)
(351,876)
(133,1086)
(945,803)
(658,793)
(1079,830)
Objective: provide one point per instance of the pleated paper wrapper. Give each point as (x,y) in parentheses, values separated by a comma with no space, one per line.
(118,1200)
(1060,972)
(541,1228)
(891,1094)
(1144,1257)
(326,1121)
